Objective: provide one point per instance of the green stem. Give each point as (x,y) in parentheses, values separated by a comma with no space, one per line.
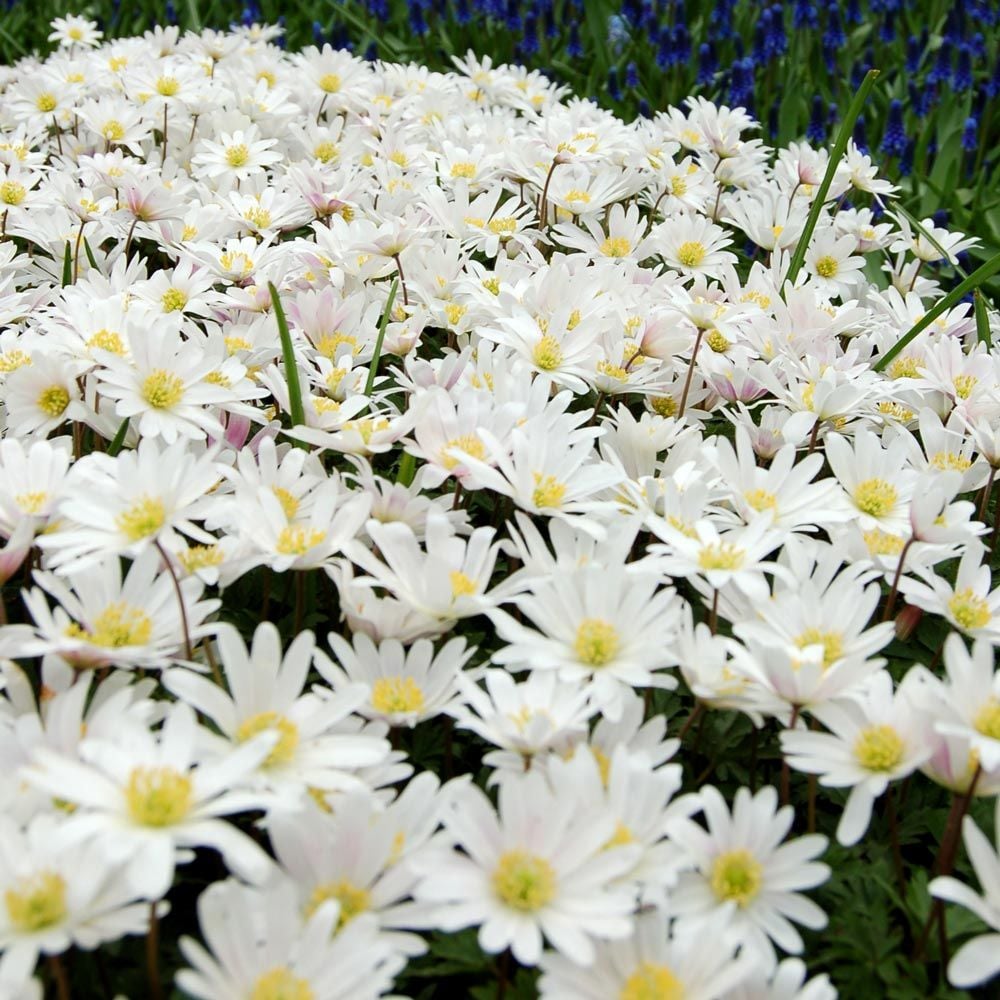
(383,323)
(295,408)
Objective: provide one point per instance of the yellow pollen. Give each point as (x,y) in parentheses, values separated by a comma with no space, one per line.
(881,543)
(896,411)
(328,343)
(523,881)
(652,982)
(218,378)
(158,796)
(46,102)
(691,253)
(31,503)
(173,300)
(353,899)
(268,77)
(964,384)
(113,130)
(575,194)
(949,460)
(455,311)
(367,426)
(396,695)
(162,389)
(201,557)
(621,836)
(117,626)
(737,875)
(718,342)
(399,158)
(475,221)
(878,748)
(603,765)
(987,720)
(492,285)
(289,502)
(189,233)
(462,584)
(258,217)
(761,500)
(678,186)
(664,406)
(832,643)
(969,610)
(875,497)
(288,735)
(325,151)
(281,984)
(503,225)
(827,266)
(329,83)
(167,86)
(237,155)
(234,344)
(107,340)
(463,169)
(547,353)
(237,262)
(596,642)
(298,541)
(721,555)
(53,401)
(37,902)
(548,491)
(12,193)
(612,370)
(616,246)
(144,518)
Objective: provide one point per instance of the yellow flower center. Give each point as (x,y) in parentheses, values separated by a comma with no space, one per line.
(107,340)
(328,343)
(832,643)
(237,263)
(263,722)
(258,217)
(31,503)
(691,253)
(167,86)
(969,610)
(53,401)
(173,300)
(468,443)
(237,155)
(201,557)
(881,543)
(721,555)
(12,193)
(621,836)
(904,367)
(548,491)
(987,719)
(295,541)
(289,503)
(492,285)
(964,384)
(37,902)
(664,406)
(325,151)
(616,246)
(461,584)
(761,500)
(281,984)
(144,518)
(463,169)
(503,225)
(523,881)
(652,982)
(396,695)
(46,102)
(596,642)
(878,748)
(875,497)
(116,626)
(353,899)
(737,875)
(329,83)
(547,353)
(717,342)
(113,130)
(162,389)
(234,344)
(949,460)
(158,796)
(827,266)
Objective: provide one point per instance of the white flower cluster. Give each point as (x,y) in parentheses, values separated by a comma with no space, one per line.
(529,337)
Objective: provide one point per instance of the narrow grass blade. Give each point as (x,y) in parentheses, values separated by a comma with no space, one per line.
(836,155)
(296,411)
(982,318)
(119,439)
(193,15)
(67,272)
(922,230)
(972,282)
(90,255)
(383,323)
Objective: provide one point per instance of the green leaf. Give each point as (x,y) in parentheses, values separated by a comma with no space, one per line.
(297,413)
(119,439)
(836,155)
(972,282)
(982,318)
(383,323)
(67,271)
(407,469)
(90,255)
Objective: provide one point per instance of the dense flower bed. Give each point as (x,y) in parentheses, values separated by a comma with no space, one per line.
(420,618)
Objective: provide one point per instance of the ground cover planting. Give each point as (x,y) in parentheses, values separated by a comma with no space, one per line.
(458,540)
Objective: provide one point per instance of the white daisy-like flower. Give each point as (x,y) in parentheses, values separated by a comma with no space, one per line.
(743,878)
